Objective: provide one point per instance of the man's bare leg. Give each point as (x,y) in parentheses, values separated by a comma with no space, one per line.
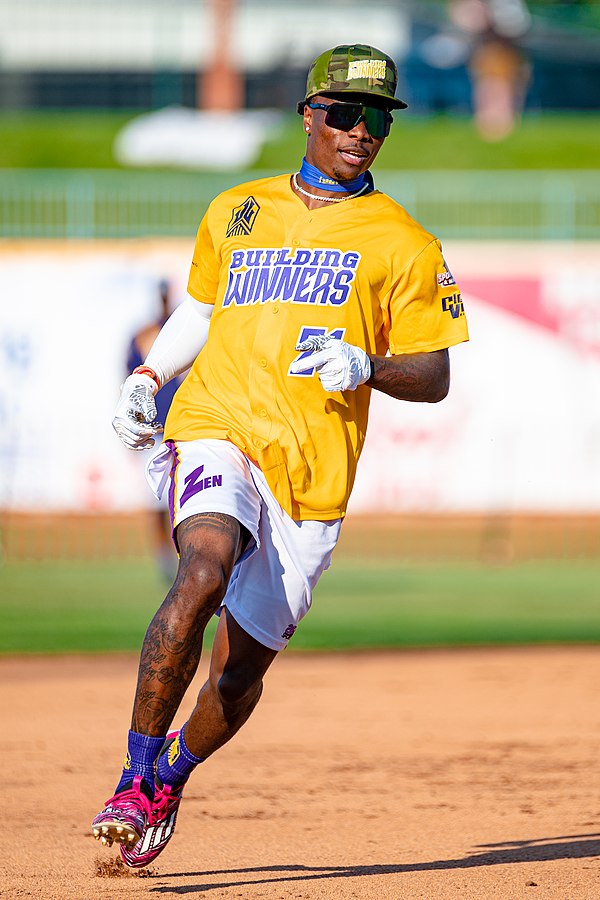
(234,686)
(209,545)
(225,702)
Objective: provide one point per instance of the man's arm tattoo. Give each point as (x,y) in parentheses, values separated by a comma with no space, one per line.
(420,377)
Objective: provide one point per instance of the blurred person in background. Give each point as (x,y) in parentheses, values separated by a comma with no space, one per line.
(307,291)
(160,521)
(497,65)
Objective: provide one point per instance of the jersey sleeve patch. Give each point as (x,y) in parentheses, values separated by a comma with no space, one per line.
(445,279)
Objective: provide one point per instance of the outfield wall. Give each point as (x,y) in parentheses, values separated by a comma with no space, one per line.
(520,431)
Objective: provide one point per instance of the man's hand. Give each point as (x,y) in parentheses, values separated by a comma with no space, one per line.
(135,415)
(340,366)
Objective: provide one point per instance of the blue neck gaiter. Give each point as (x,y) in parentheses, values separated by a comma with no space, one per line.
(315,178)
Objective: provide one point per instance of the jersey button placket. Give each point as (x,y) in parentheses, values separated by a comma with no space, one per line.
(261,386)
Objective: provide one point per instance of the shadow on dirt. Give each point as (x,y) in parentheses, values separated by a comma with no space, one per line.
(574,846)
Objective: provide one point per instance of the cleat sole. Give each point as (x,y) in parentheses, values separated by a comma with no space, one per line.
(114,832)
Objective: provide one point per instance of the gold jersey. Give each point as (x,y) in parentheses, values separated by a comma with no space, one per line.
(277,273)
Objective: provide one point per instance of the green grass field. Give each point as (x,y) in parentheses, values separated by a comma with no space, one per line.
(550,141)
(93,606)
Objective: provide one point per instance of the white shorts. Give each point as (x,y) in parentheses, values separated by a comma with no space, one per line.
(271,585)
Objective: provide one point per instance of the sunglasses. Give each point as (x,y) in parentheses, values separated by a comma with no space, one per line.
(345,116)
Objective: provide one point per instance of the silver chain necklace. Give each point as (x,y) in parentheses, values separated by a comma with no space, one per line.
(326,199)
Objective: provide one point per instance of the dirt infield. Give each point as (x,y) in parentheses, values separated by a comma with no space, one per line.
(421,774)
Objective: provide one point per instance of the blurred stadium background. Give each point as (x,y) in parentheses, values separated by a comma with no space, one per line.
(119,121)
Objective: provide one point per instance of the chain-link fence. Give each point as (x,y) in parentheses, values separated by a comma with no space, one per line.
(452,204)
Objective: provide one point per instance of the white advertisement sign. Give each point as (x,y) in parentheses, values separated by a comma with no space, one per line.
(520,430)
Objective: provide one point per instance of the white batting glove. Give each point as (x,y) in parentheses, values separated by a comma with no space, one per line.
(340,366)
(135,415)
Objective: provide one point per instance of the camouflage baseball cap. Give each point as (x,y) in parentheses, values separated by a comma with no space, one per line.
(354,69)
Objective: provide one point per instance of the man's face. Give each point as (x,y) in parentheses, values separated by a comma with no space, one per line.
(340,154)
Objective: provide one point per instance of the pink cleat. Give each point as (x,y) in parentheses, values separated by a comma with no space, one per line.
(160,825)
(159,832)
(124,817)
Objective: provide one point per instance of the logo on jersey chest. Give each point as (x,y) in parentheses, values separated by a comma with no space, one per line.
(243,218)
(321,277)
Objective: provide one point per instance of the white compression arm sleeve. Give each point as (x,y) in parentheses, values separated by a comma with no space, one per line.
(180,340)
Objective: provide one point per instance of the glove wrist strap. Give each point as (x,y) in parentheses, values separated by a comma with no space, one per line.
(146,370)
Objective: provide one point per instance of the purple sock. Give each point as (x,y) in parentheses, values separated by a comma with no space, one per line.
(177,763)
(142,752)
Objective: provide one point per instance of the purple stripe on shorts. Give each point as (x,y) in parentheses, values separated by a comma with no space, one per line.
(175,463)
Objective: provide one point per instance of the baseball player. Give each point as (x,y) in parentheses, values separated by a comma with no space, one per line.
(307,292)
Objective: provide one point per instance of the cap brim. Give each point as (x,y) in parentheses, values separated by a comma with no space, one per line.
(381,100)
(399,104)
